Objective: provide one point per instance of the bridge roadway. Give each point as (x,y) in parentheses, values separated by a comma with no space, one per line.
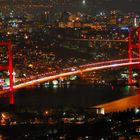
(100,40)
(73,71)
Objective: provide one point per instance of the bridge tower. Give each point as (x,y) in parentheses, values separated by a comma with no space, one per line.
(133,44)
(9,67)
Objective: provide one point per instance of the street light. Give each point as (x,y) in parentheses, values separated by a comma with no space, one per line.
(84,2)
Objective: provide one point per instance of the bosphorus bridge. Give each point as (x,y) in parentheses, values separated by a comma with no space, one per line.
(40,78)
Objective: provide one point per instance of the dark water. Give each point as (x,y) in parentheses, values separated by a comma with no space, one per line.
(72,95)
(69,96)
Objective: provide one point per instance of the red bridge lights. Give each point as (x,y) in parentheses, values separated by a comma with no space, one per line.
(133,42)
(131,45)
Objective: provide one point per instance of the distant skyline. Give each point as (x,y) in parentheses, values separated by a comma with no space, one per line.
(91,6)
(87,6)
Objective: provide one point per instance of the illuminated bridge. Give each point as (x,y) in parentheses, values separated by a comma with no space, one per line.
(73,71)
(76,70)
(40,78)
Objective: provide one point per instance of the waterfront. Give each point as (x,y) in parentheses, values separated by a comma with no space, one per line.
(63,112)
(122,104)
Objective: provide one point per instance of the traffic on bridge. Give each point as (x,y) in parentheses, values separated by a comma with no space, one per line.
(72,71)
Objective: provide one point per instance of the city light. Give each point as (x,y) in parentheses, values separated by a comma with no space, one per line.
(70,69)
(137,110)
(104,65)
(84,2)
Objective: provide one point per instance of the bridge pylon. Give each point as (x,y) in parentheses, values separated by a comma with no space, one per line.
(131,45)
(9,67)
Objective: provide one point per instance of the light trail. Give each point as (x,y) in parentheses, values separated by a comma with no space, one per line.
(112,61)
(65,74)
(98,40)
(110,66)
(79,70)
(47,74)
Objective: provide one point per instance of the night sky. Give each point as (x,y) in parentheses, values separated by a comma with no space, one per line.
(89,6)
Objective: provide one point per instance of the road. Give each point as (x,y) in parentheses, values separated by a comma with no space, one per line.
(122,104)
(84,68)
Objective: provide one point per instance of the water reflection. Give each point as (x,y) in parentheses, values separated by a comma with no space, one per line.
(88,95)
